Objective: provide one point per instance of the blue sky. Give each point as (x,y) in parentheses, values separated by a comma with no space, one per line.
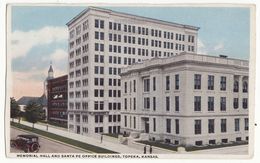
(39,34)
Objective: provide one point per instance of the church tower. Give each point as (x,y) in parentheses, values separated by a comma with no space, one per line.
(50,76)
(50,73)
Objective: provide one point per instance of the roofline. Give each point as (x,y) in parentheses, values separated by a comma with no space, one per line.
(143,17)
(63,76)
(180,61)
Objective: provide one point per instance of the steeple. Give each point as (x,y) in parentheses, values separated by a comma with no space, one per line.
(50,72)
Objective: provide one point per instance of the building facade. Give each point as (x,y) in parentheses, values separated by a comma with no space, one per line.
(57,100)
(187,99)
(101,42)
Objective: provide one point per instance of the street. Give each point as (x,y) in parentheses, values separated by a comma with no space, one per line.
(47,145)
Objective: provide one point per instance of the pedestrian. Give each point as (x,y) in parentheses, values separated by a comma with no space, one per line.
(145,149)
(101,138)
(151,149)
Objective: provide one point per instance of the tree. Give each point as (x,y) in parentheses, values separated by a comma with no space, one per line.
(14,109)
(33,112)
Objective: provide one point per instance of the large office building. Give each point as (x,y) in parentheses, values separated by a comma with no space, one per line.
(101,42)
(188,99)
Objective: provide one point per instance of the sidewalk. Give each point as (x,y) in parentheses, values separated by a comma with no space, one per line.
(117,147)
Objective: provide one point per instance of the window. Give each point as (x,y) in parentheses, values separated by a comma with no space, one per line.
(211,126)
(212,141)
(134,85)
(177,103)
(102,24)
(197,103)
(197,81)
(134,103)
(146,103)
(96,23)
(154,103)
(125,103)
(223,125)
(210,82)
(246,124)
(146,85)
(197,127)
(167,82)
(96,35)
(198,143)
(154,124)
(237,124)
(245,105)
(245,87)
(210,103)
(223,103)
(236,86)
(154,83)
(224,140)
(167,103)
(177,126)
(177,82)
(168,125)
(235,103)
(125,87)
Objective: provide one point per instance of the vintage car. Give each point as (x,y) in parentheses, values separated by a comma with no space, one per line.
(28,143)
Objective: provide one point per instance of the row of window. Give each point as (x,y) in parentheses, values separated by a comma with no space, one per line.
(146,83)
(85,26)
(111,129)
(213,141)
(223,83)
(83,39)
(78,73)
(223,125)
(98,105)
(78,83)
(197,83)
(197,103)
(153,32)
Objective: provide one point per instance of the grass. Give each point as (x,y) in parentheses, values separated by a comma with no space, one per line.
(55,124)
(195,148)
(160,145)
(190,148)
(69,141)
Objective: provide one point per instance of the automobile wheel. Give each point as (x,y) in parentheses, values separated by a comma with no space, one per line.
(13,145)
(26,149)
(35,147)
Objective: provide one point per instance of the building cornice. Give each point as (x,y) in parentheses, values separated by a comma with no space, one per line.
(131,16)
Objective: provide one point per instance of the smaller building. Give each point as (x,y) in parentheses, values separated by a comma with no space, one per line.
(25,100)
(57,100)
(188,99)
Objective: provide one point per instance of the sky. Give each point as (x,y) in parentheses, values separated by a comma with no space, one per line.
(39,36)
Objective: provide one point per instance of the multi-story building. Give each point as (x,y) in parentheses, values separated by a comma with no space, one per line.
(57,100)
(187,99)
(101,42)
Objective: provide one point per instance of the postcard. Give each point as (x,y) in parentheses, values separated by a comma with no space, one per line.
(130,81)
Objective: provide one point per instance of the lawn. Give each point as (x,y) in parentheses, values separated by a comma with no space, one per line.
(73,142)
(190,148)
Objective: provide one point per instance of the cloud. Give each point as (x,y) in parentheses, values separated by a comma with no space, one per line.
(201,47)
(22,42)
(57,55)
(219,46)
(30,83)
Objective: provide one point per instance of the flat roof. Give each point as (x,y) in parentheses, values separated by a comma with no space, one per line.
(131,15)
(185,57)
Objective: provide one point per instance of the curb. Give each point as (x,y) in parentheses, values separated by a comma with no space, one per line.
(54,140)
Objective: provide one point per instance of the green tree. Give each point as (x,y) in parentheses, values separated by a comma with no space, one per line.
(14,109)
(33,112)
